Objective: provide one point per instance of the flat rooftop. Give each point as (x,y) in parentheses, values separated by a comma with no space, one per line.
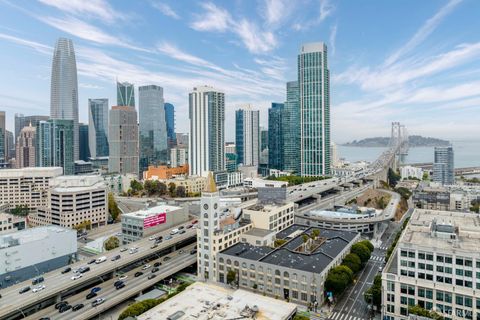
(151,211)
(202,301)
(32,234)
(435,229)
(257,232)
(31,172)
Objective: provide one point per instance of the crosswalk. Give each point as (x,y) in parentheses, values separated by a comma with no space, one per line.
(385,248)
(376,258)
(343,316)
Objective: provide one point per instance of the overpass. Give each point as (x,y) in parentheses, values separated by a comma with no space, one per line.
(14,305)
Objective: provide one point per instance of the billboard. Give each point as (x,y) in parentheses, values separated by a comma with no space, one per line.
(154,220)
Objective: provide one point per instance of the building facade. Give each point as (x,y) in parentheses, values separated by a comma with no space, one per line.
(64,88)
(443,166)
(84,150)
(22,121)
(170,121)
(207,130)
(407,172)
(178,156)
(164,172)
(10,223)
(98,127)
(3,139)
(275,143)
(125,94)
(25,148)
(123,140)
(247,136)
(314,97)
(291,129)
(55,145)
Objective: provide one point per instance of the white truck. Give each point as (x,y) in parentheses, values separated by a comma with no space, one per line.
(101,259)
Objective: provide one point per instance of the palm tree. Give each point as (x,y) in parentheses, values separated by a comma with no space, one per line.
(305,239)
(315,233)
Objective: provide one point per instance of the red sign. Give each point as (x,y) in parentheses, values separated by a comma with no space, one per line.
(152,221)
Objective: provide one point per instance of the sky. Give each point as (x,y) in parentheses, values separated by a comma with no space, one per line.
(417,62)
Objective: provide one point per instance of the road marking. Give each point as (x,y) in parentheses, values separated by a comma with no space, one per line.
(335,315)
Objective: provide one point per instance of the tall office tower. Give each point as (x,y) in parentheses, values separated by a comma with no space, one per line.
(83,142)
(170,120)
(54,145)
(64,87)
(263,139)
(247,135)
(153,128)
(123,140)
(125,94)
(98,127)
(291,129)
(443,167)
(275,141)
(25,148)
(22,121)
(334,154)
(314,88)
(3,139)
(207,131)
(209,225)
(10,144)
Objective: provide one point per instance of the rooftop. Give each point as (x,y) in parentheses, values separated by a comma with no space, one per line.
(151,211)
(31,172)
(257,232)
(77,183)
(202,301)
(31,235)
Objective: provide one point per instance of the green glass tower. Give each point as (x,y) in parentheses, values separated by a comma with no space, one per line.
(291,129)
(125,94)
(314,98)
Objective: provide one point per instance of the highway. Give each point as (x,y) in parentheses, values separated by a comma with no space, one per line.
(57,283)
(112,296)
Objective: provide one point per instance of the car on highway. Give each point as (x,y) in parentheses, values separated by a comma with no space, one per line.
(138,274)
(83,269)
(115,258)
(123,249)
(77,276)
(182,232)
(97,302)
(118,282)
(166,258)
(145,267)
(24,289)
(189,226)
(66,270)
(181,228)
(159,238)
(77,307)
(193,251)
(157,264)
(65,308)
(120,286)
(151,238)
(96,289)
(58,305)
(45,318)
(181,251)
(158,241)
(151,276)
(174,231)
(155,270)
(194,222)
(168,237)
(101,259)
(37,280)
(153,246)
(39,288)
(133,250)
(92,261)
(91,295)
(123,277)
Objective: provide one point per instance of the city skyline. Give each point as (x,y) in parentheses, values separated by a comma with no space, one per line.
(375,77)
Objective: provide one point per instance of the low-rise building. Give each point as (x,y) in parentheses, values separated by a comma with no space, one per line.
(275,217)
(164,172)
(11,223)
(73,200)
(260,183)
(143,223)
(435,265)
(31,252)
(83,167)
(27,186)
(433,198)
(192,184)
(408,172)
(119,183)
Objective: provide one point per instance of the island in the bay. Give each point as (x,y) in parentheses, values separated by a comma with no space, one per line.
(413,141)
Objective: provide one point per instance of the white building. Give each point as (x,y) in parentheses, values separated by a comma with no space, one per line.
(260,183)
(436,265)
(178,156)
(32,252)
(230,148)
(234,179)
(247,135)
(11,223)
(334,154)
(271,217)
(411,172)
(73,200)
(26,186)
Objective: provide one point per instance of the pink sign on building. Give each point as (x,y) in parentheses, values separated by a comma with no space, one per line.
(152,221)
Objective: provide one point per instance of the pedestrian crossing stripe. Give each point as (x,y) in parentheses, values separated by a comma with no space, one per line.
(343,316)
(375,258)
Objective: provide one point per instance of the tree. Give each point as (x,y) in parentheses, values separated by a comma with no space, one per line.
(418,310)
(368,244)
(181,192)
(20,210)
(373,294)
(353,262)
(113,207)
(85,225)
(338,279)
(305,240)
(404,192)
(279,242)
(161,188)
(231,276)
(138,308)
(171,189)
(135,186)
(301,317)
(425,176)
(393,178)
(150,186)
(111,243)
(381,203)
(315,234)
(361,251)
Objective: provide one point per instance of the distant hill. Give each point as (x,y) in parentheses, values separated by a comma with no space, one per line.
(414,141)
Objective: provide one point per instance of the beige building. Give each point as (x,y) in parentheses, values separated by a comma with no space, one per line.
(192,184)
(25,147)
(270,216)
(11,223)
(73,200)
(27,186)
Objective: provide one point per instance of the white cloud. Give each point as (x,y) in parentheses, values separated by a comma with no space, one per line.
(333,39)
(89,86)
(32,44)
(165,9)
(255,41)
(275,67)
(445,93)
(213,19)
(97,8)
(325,9)
(277,11)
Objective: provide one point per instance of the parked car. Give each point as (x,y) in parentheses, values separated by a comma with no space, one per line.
(91,295)
(58,305)
(133,250)
(39,288)
(37,280)
(120,286)
(98,302)
(138,274)
(24,289)
(158,241)
(168,237)
(66,270)
(77,307)
(189,226)
(151,276)
(181,228)
(157,264)
(151,238)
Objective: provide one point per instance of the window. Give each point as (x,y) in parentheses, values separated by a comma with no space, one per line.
(403,253)
(304,296)
(429,257)
(403,300)
(421,292)
(439,269)
(411,254)
(421,255)
(440,258)
(429,294)
(459,261)
(448,260)
(468,263)
(468,273)
(459,272)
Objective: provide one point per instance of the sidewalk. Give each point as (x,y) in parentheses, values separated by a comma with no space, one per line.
(322,313)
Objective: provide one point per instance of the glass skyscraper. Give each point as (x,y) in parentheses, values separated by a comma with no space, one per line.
(443,166)
(125,94)
(247,136)
(153,127)
(275,136)
(291,129)
(313,80)
(3,139)
(170,120)
(22,121)
(54,145)
(98,127)
(83,140)
(64,87)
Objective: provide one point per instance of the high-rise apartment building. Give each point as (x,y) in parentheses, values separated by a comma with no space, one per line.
(22,121)
(125,94)
(247,136)
(314,97)
(275,143)
(83,141)
(443,166)
(64,88)
(170,120)
(10,144)
(25,148)
(98,127)
(54,145)
(3,139)
(123,140)
(153,128)
(207,130)
(291,129)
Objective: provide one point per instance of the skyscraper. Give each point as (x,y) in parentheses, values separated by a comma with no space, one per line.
(443,166)
(313,80)
(291,129)
(22,121)
(25,148)
(98,127)
(153,128)
(247,136)
(207,131)
(54,145)
(10,145)
(263,157)
(83,141)
(64,87)
(170,120)
(125,94)
(123,140)
(275,141)
(3,139)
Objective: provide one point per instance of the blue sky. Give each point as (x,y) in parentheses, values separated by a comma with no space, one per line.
(417,62)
